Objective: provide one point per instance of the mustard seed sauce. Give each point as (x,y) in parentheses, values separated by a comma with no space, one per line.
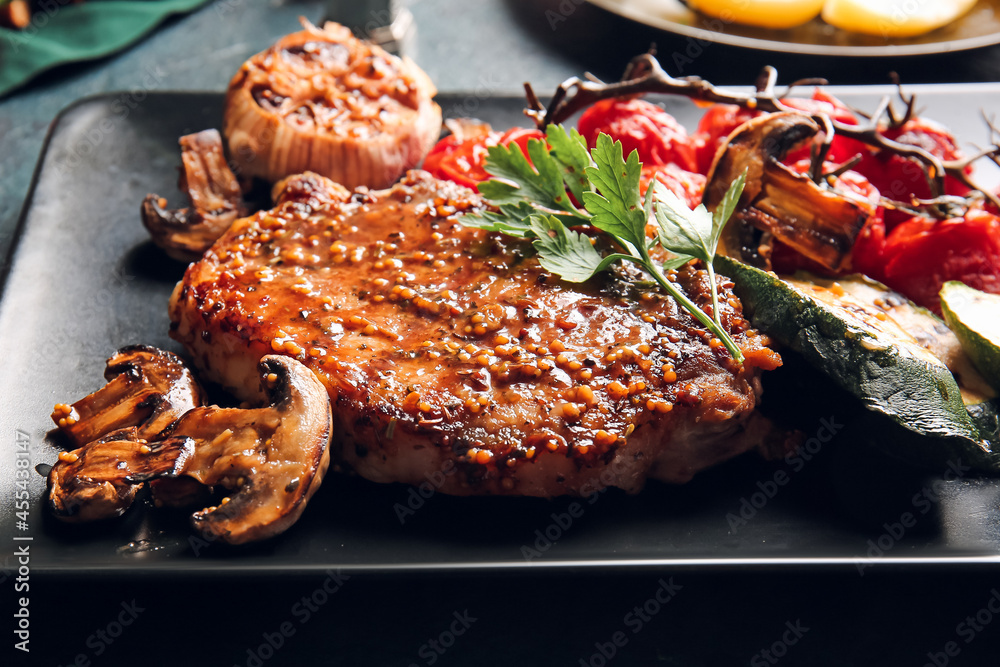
(432,335)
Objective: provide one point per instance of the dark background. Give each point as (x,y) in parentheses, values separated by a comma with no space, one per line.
(891,616)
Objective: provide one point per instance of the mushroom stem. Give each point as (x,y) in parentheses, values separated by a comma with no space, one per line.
(216,201)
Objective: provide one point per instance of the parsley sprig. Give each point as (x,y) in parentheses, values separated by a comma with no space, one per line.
(533,201)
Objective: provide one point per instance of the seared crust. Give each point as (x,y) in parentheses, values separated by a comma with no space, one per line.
(451,355)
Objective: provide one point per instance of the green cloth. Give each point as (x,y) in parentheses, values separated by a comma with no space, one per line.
(78,32)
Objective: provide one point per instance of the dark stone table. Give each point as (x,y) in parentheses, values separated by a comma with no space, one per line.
(486,47)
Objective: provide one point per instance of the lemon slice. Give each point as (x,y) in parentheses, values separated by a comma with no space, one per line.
(974,316)
(777,14)
(893,18)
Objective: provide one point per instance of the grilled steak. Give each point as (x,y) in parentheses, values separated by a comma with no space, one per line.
(451,355)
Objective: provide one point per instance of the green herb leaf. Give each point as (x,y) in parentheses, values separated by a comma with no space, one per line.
(570,151)
(682,230)
(726,207)
(540,185)
(567,253)
(512,219)
(677,262)
(647,204)
(695,233)
(616,206)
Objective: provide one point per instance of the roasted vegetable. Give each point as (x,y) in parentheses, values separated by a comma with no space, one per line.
(271,458)
(864,354)
(321,100)
(780,203)
(884,308)
(216,200)
(974,316)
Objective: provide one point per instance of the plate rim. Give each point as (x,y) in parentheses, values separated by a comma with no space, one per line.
(230,568)
(887,51)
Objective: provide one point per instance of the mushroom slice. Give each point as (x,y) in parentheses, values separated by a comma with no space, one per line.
(100,479)
(147,388)
(819,222)
(216,200)
(273,457)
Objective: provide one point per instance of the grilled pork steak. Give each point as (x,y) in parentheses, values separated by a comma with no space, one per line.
(449,349)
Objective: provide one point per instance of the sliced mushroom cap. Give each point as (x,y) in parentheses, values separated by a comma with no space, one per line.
(817,221)
(147,388)
(100,479)
(273,458)
(216,201)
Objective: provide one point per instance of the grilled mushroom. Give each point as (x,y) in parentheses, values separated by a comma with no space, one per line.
(778,203)
(147,389)
(273,458)
(100,479)
(216,201)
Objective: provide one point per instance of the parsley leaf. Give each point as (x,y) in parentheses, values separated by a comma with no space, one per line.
(570,150)
(566,253)
(511,219)
(616,205)
(539,182)
(676,262)
(726,207)
(682,230)
(694,234)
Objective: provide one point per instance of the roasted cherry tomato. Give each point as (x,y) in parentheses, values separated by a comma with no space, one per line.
(721,119)
(868,253)
(715,125)
(901,178)
(841,148)
(920,255)
(640,126)
(463,161)
(687,185)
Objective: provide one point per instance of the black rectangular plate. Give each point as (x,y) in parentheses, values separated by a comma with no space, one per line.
(85,280)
